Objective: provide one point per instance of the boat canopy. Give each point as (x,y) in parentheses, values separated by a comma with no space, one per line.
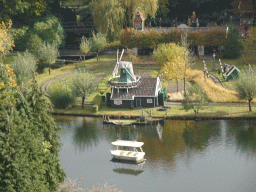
(127,143)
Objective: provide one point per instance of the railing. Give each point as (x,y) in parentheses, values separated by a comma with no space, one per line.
(74,27)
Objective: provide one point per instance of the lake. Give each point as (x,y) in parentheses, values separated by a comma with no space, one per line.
(193,156)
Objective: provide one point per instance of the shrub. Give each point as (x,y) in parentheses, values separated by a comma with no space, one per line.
(61,98)
(233,47)
(24,66)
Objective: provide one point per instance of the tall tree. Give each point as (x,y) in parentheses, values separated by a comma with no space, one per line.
(29,140)
(110,15)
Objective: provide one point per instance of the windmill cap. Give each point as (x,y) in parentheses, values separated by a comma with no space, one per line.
(125,64)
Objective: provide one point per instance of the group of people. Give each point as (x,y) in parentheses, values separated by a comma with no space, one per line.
(193,20)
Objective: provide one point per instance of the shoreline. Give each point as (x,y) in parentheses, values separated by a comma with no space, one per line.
(158,117)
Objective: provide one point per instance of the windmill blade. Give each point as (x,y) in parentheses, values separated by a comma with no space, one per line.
(117,55)
(121,55)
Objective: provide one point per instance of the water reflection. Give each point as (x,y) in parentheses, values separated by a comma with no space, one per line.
(124,167)
(197,135)
(244,134)
(86,135)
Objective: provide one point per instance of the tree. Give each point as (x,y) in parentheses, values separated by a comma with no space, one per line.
(85,46)
(246,86)
(29,139)
(48,54)
(166,52)
(234,46)
(6,39)
(24,66)
(108,16)
(194,99)
(82,85)
(98,42)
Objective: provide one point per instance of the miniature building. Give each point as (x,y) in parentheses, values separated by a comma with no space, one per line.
(139,21)
(232,73)
(131,91)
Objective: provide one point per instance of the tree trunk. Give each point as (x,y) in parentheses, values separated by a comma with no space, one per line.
(177,86)
(184,84)
(250,108)
(84,60)
(83,98)
(97,56)
(49,69)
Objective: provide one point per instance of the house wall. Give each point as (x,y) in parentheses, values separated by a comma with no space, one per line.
(125,104)
(132,103)
(144,102)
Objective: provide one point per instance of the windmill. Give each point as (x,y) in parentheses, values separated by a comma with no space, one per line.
(126,77)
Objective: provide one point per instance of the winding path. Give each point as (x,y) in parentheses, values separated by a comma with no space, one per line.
(44,87)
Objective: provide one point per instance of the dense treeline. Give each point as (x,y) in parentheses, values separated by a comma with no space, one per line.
(29,139)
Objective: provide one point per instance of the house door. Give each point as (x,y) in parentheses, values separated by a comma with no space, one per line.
(138,102)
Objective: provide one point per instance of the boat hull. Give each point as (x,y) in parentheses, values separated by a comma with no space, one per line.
(128,155)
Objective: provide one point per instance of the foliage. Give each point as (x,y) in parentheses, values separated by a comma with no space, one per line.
(194,99)
(34,45)
(131,38)
(21,37)
(6,39)
(46,29)
(24,66)
(162,8)
(233,47)
(107,21)
(82,85)
(61,98)
(98,42)
(246,86)
(84,45)
(26,125)
(249,43)
(166,53)
(146,7)
(48,54)
(50,30)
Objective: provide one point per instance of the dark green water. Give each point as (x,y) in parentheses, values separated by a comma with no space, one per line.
(182,156)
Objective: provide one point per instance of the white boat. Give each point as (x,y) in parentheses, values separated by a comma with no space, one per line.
(128,151)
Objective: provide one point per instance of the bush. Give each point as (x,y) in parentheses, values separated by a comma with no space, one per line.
(24,66)
(62,99)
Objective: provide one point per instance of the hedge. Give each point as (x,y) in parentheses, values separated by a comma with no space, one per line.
(98,101)
(131,38)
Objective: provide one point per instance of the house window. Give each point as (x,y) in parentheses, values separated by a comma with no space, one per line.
(149,101)
(118,102)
